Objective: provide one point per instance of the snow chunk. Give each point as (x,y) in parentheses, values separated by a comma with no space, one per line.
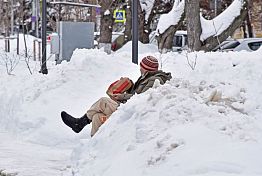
(107,12)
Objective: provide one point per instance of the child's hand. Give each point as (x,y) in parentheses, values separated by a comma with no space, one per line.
(117,96)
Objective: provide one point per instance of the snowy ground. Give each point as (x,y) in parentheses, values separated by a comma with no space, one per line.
(169,130)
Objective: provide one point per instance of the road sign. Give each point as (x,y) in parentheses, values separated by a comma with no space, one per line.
(120,16)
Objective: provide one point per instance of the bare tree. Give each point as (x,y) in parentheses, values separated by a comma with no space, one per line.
(194,28)
(165,39)
(159,7)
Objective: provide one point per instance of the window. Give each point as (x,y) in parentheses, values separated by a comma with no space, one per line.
(177,41)
(231,45)
(254,45)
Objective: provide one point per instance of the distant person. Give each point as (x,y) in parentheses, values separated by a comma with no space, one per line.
(101,110)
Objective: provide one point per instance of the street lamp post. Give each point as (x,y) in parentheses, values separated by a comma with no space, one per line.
(43,65)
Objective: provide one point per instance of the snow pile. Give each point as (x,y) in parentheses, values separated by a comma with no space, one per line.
(173,129)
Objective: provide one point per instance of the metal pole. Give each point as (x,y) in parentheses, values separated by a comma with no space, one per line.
(12,17)
(135,32)
(17,41)
(37,17)
(34,50)
(43,66)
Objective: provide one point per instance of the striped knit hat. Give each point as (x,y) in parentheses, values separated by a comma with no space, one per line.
(149,63)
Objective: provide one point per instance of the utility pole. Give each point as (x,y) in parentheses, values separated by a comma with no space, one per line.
(44,21)
(135,31)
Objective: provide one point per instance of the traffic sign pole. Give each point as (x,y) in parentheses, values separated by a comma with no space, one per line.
(135,31)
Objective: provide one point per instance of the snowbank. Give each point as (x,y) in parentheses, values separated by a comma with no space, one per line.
(168,129)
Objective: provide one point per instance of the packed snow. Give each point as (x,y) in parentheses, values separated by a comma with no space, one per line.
(171,129)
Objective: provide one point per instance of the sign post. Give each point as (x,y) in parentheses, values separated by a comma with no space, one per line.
(135,32)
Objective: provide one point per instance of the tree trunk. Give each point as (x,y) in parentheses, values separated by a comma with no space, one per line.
(106,28)
(143,37)
(193,24)
(249,26)
(128,26)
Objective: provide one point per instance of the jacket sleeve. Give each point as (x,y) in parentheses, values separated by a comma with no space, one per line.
(150,84)
(124,97)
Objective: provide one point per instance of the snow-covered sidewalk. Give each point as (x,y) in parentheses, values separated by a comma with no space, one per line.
(25,158)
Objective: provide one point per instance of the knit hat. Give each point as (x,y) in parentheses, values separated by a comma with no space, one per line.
(149,63)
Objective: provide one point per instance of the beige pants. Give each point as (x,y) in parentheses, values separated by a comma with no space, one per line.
(103,107)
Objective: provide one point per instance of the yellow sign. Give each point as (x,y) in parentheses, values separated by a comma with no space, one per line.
(120,16)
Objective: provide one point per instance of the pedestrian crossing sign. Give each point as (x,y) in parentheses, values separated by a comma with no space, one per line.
(120,16)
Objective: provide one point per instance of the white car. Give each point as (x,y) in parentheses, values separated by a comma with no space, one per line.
(247,44)
(179,40)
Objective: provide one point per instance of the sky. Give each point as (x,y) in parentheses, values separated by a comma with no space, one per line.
(170,129)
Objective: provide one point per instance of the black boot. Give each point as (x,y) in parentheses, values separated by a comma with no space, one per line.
(77,124)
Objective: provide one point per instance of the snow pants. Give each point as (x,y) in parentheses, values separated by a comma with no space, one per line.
(103,107)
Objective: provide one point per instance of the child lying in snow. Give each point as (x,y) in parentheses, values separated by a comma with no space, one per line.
(104,107)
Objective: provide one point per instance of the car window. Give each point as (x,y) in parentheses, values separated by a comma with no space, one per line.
(221,45)
(177,41)
(254,45)
(231,45)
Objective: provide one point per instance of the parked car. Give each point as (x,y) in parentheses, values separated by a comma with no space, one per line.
(179,40)
(247,44)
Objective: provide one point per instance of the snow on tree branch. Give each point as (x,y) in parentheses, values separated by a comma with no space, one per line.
(147,6)
(220,23)
(171,18)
